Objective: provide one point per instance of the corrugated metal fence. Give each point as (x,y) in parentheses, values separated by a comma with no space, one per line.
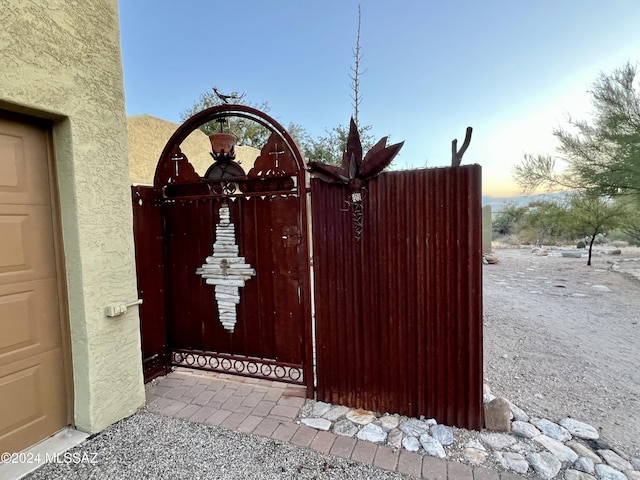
(399,313)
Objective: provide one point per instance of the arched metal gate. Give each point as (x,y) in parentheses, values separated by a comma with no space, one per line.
(224,268)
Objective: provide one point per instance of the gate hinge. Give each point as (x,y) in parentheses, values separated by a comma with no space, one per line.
(291,236)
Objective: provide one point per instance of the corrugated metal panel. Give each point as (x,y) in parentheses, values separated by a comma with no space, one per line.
(399,313)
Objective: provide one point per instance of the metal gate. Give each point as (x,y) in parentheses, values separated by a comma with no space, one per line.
(223,262)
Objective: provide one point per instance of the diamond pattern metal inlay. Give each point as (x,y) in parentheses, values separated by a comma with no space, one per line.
(226,270)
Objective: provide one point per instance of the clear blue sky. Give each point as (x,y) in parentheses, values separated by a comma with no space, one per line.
(510,69)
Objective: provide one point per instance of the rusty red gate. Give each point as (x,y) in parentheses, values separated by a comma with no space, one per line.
(398,306)
(223,263)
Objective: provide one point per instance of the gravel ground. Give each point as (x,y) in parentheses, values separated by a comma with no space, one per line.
(150,446)
(556,347)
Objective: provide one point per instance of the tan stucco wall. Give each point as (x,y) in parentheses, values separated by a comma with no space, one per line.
(61,60)
(148,136)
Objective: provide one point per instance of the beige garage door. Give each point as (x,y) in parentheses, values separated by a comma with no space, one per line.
(32,381)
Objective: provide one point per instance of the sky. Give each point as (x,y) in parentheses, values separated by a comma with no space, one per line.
(512,70)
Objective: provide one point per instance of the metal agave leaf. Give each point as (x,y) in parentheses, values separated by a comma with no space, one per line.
(356,170)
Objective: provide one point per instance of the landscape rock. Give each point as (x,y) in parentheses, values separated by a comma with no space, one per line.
(546,465)
(336,412)
(579,429)
(475,444)
(388,422)
(320,408)
(615,460)
(513,461)
(584,451)
(585,464)
(498,441)
(600,288)
(561,451)
(360,417)
(432,446)
(488,397)
(372,433)
(605,472)
(551,429)
(576,475)
(317,423)
(497,415)
(442,434)
(413,427)
(345,427)
(571,254)
(525,448)
(636,463)
(524,429)
(632,474)
(411,443)
(394,438)
(519,415)
(474,456)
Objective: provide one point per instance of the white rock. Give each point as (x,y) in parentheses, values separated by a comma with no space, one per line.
(320,408)
(345,427)
(488,398)
(317,423)
(605,472)
(615,460)
(474,456)
(475,444)
(413,427)
(551,429)
(561,451)
(388,422)
(442,434)
(519,415)
(579,429)
(336,412)
(498,441)
(411,443)
(585,464)
(576,475)
(394,438)
(524,429)
(432,446)
(636,463)
(372,433)
(546,465)
(513,461)
(632,474)
(600,288)
(431,422)
(584,451)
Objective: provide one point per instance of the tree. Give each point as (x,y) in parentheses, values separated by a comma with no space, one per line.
(592,214)
(548,220)
(601,156)
(506,222)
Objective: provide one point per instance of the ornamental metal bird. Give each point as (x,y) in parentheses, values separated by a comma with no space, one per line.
(225,98)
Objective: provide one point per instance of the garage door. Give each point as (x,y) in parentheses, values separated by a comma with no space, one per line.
(32,381)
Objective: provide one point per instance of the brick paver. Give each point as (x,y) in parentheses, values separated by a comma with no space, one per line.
(343,446)
(323,442)
(386,458)
(459,471)
(410,463)
(304,436)
(266,427)
(364,452)
(284,432)
(270,409)
(434,468)
(481,473)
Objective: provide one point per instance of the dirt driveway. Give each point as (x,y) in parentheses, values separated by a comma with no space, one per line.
(557,347)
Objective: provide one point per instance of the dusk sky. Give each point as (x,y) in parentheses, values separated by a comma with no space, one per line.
(512,70)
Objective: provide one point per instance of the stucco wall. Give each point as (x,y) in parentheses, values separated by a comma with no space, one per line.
(61,59)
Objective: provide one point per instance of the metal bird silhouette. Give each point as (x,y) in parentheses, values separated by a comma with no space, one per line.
(225,98)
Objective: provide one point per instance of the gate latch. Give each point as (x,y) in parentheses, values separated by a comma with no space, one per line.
(290,236)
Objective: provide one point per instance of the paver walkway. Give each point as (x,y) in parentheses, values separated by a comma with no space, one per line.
(270,409)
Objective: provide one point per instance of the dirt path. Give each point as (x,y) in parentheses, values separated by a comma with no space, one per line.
(556,347)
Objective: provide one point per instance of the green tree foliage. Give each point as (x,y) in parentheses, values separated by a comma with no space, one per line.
(507,221)
(549,221)
(601,156)
(592,214)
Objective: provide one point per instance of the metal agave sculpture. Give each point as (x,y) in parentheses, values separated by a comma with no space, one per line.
(356,171)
